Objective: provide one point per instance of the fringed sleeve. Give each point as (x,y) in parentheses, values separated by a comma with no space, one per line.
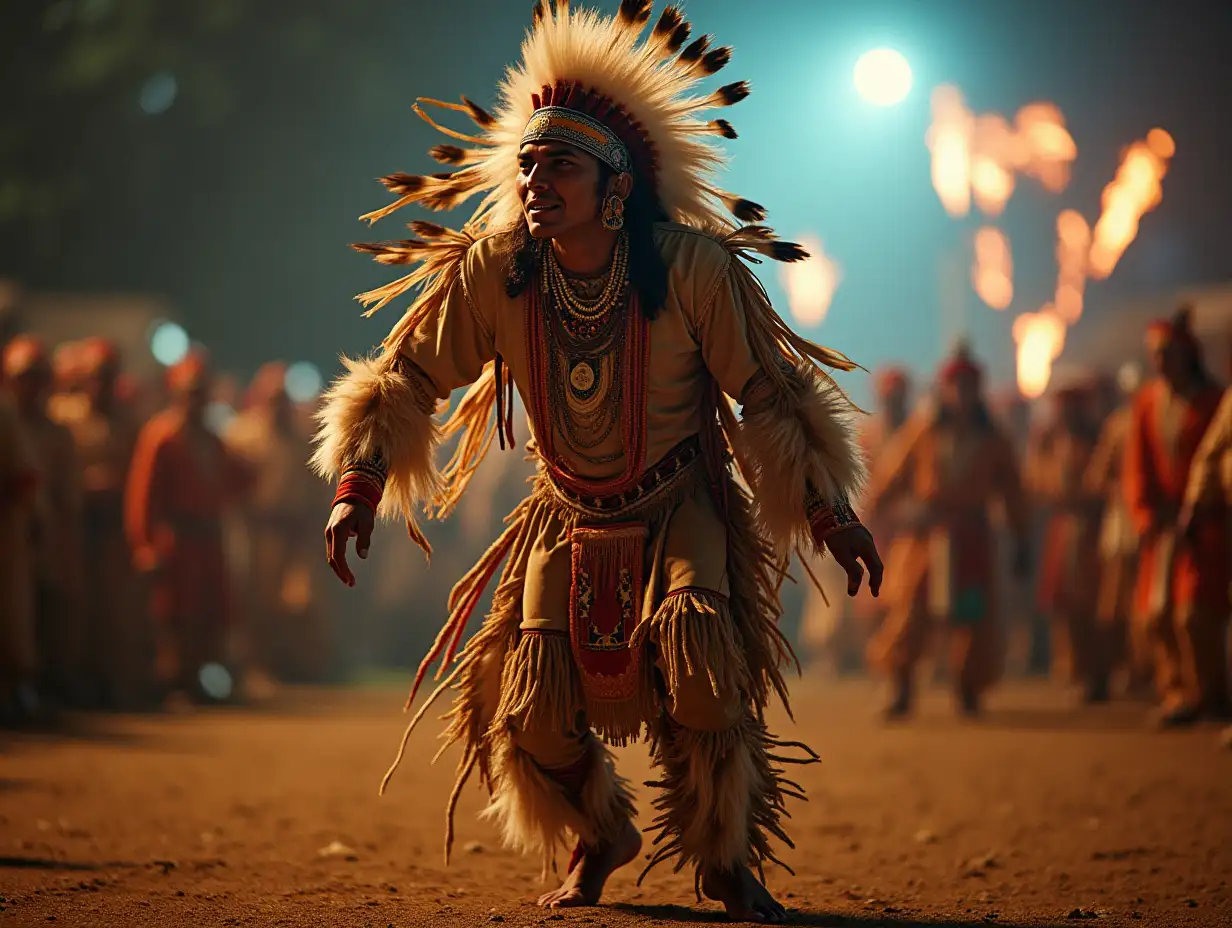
(379,416)
(797,442)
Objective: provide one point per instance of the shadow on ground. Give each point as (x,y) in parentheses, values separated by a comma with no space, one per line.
(679,913)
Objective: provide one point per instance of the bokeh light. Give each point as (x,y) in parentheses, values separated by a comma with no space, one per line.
(169,343)
(218,417)
(303,382)
(883,77)
(216,681)
(158,93)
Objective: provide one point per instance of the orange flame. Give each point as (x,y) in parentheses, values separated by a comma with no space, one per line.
(1135,191)
(811,283)
(983,155)
(1045,148)
(992,276)
(1073,243)
(949,140)
(1040,337)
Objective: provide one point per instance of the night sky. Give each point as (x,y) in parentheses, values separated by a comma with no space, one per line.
(244,225)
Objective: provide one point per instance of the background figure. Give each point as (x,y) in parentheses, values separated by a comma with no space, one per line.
(285,625)
(1128,647)
(118,640)
(1068,581)
(1182,589)
(181,482)
(838,631)
(955,463)
(18,645)
(59,622)
(1029,644)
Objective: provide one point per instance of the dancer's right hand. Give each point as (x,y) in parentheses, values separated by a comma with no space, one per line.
(346,521)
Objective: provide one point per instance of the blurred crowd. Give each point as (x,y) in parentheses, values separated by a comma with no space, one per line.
(155,553)
(1090,543)
(151,553)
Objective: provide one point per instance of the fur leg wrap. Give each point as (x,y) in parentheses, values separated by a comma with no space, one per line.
(376,407)
(796,438)
(537,812)
(722,796)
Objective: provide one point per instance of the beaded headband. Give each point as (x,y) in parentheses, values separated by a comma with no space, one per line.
(561,124)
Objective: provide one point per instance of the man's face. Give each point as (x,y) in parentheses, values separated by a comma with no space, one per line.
(1174,361)
(558,186)
(962,394)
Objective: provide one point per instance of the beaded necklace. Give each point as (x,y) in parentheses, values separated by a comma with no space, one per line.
(586,336)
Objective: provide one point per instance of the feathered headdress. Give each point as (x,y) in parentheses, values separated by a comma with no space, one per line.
(629,94)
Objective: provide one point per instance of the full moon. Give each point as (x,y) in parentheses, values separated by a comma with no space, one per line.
(883,77)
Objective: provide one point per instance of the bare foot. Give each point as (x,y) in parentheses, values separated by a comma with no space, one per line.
(745,899)
(584,884)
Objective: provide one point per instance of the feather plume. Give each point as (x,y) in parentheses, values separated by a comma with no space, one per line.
(635,13)
(742,209)
(716,60)
(727,95)
(448,154)
(403,184)
(428,229)
(482,117)
(669,21)
(693,52)
(408,251)
(722,127)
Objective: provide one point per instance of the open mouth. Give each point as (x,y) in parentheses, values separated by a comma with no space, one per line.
(543,209)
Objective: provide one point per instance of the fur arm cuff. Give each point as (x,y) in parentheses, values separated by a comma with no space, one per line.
(379,407)
(801,445)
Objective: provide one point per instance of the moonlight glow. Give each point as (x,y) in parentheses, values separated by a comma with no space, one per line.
(883,77)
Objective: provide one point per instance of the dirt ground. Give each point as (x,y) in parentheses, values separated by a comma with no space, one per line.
(1038,814)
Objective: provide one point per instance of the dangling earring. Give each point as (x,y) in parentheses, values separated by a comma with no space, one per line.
(613,213)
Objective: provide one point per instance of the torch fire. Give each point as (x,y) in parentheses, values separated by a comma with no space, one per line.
(1040,338)
(993,273)
(1135,191)
(981,156)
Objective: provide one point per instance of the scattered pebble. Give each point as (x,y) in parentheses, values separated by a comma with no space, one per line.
(338,849)
(924,836)
(1082,913)
(474,847)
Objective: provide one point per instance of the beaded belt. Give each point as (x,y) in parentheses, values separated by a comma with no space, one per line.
(669,472)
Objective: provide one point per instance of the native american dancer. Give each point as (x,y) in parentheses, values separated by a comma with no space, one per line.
(1118,540)
(601,279)
(27,373)
(1056,464)
(1182,592)
(1210,491)
(19,477)
(181,483)
(956,463)
(117,637)
(286,633)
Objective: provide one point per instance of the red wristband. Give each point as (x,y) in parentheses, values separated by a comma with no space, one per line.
(829,520)
(355,487)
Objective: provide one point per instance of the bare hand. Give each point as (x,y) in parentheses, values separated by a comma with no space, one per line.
(346,521)
(851,546)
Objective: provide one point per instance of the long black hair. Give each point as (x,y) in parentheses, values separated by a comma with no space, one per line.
(647,271)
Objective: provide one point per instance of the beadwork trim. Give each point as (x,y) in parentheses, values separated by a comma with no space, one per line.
(561,124)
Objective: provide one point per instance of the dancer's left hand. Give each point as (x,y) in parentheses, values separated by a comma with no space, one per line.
(851,546)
